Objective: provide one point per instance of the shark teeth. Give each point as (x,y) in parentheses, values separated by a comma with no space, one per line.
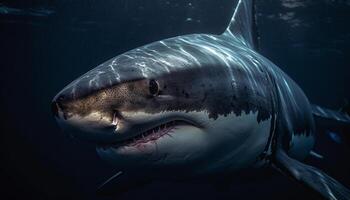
(152,135)
(115,119)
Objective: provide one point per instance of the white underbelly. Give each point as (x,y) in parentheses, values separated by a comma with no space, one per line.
(244,140)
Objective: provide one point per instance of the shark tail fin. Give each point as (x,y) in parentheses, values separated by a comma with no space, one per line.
(311,177)
(243,24)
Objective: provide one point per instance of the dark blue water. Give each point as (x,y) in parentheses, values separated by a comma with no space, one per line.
(46,44)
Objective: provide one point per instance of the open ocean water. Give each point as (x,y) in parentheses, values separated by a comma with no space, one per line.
(45,44)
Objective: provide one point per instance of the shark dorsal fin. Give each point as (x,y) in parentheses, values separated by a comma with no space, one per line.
(242,25)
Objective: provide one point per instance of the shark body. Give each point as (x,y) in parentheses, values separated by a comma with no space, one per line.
(196,105)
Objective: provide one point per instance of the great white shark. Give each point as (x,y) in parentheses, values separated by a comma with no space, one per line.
(197,105)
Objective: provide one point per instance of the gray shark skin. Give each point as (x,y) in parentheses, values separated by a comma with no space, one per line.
(195,105)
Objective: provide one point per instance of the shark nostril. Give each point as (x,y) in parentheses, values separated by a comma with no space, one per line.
(61,97)
(118,114)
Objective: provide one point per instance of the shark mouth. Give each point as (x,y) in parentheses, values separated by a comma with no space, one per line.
(152,135)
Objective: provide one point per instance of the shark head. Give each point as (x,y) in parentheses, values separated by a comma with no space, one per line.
(171,103)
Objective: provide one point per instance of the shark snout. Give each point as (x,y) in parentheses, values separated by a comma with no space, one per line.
(56,105)
(54,108)
(93,126)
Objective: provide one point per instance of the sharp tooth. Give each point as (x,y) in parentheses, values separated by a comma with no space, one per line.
(115,120)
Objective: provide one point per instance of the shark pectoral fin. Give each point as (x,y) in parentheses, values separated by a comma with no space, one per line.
(120,183)
(311,177)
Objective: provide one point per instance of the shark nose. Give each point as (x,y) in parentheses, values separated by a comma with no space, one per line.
(55,105)
(54,108)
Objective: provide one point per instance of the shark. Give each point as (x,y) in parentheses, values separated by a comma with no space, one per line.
(197,105)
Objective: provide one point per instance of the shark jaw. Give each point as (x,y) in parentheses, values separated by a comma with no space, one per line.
(229,142)
(133,131)
(175,139)
(152,135)
(141,133)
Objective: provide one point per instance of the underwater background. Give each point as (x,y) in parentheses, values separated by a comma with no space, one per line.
(46,44)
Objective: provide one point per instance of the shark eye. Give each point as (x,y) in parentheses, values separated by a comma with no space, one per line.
(153,87)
